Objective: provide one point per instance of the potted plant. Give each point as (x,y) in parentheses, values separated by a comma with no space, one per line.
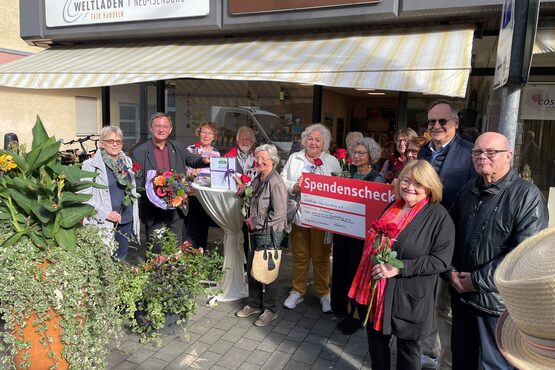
(58,295)
(166,284)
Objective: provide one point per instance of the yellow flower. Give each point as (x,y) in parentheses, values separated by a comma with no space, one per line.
(6,163)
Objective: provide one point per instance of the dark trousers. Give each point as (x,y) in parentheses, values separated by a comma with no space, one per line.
(347,253)
(473,338)
(408,351)
(198,222)
(122,236)
(260,295)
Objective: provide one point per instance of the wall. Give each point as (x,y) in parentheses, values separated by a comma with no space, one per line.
(56,109)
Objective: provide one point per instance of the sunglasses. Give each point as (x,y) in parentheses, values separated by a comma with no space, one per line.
(442,122)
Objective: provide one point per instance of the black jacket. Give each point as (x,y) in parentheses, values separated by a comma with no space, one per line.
(426,247)
(490,222)
(456,170)
(179,158)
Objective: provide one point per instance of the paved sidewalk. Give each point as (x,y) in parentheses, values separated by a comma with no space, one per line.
(304,338)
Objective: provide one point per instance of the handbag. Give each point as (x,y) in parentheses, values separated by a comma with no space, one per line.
(267,254)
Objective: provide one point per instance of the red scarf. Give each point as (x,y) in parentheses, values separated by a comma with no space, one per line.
(360,288)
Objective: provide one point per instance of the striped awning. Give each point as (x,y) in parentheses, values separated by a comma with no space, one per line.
(433,60)
(545,41)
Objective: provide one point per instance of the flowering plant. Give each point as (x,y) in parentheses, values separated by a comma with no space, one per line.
(341,155)
(245,192)
(167,283)
(168,189)
(382,253)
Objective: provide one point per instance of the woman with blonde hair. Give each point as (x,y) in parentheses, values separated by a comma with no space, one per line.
(402,293)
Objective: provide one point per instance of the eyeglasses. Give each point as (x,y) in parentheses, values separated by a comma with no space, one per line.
(442,121)
(161,127)
(361,153)
(399,141)
(208,133)
(405,181)
(490,153)
(260,159)
(412,151)
(112,142)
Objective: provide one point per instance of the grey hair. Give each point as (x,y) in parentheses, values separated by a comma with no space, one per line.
(160,115)
(353,135)
(248,130)
(321,129)
(107,130)
(272,152)
(454,110)
(373,148)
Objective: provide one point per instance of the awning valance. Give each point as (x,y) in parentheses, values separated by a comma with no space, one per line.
(433,60)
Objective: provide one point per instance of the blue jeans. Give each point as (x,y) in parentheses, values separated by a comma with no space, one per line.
(473,338)
(123,234)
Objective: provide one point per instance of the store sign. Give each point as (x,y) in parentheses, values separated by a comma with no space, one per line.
(342,206)
(504,44)
(245,7)
(538,103)
(61,13)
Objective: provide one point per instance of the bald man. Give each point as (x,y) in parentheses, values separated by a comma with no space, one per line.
(493,214)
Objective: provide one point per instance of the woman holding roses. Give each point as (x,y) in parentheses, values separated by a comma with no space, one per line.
(117,206)
(405,251)
(266,222)
(347,251)
(307,243)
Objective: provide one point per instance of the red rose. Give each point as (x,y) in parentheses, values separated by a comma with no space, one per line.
(391,230)
(198,144)
(245,179)
(318,162)
(160,192)
(375,251)
(136,167)
(378,225)
(340,153)
(167,174)
(349,160)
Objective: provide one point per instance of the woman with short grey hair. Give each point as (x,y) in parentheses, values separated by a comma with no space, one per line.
(308,244)
(272,152)
(117,208)
(374,149)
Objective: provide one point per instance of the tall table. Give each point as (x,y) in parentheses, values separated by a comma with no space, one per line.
(225,209)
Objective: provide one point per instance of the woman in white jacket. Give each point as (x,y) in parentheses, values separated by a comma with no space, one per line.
(307,243)
(116,205)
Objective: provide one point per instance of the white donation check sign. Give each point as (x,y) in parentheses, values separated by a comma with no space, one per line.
(342,206)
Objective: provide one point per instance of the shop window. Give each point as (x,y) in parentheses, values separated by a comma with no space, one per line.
(129,123)
(86,115)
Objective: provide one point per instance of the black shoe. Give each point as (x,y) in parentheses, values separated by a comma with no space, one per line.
(350,325)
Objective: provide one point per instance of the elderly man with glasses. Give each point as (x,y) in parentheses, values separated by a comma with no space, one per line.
(492,214)
(449,154)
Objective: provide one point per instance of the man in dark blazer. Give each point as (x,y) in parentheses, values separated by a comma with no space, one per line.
(449,154)
(162,154)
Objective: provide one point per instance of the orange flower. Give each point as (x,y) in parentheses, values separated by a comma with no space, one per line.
(176,202)
(159,181)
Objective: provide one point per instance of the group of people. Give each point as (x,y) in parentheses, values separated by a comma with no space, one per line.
(460,208)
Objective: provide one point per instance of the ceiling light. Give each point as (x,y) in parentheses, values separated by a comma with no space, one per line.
(365,89)
(375,93)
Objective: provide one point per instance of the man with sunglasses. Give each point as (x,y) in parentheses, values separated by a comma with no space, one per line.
(492,214)
(449,154)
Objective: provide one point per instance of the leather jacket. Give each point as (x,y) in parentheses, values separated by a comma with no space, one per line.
(491,221)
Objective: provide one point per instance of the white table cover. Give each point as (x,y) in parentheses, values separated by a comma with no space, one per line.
(225,209)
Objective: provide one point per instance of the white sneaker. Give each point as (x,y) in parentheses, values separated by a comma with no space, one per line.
(325,301)
(293,300)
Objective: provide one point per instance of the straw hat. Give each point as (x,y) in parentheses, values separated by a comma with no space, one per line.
(526,281)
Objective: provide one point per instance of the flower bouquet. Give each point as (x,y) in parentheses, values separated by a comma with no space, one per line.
(341,155)
(166,284)
(245,192)
(167,190)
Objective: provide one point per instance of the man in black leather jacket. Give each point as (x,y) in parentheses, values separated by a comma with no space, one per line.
(493,214)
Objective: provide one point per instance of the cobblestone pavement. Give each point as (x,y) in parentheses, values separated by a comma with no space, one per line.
(214,338)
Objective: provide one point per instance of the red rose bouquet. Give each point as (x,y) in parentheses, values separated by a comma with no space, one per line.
(341,155)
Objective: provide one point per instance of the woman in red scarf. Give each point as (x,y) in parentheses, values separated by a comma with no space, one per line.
(396,161)
(421,232)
